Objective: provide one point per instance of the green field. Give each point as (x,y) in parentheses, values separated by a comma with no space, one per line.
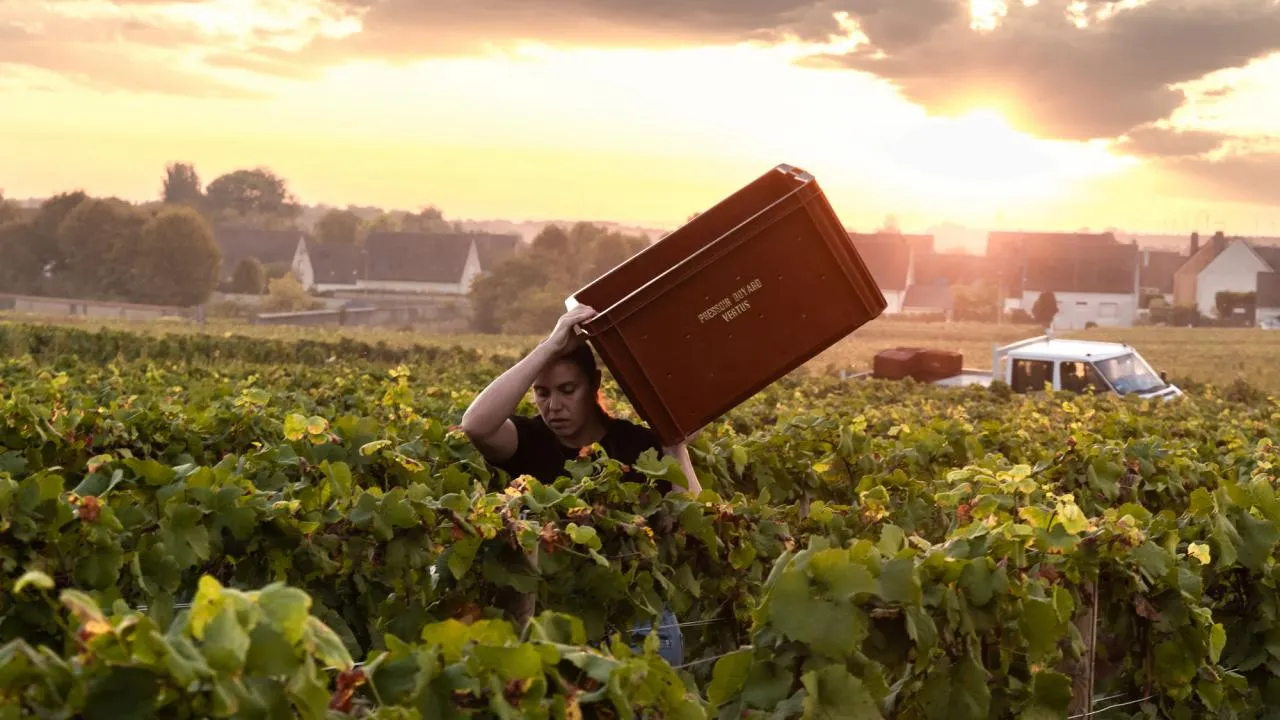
(1219,356)
(285,523)
(1210,355)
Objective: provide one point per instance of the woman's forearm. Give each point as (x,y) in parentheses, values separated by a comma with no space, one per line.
(681,454)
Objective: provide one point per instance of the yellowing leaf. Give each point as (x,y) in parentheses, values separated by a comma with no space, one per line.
(295,426)
(34,578)
(1199,551)
(1070,516)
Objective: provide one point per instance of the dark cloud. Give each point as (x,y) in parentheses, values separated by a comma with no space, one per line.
(1247,177)
(107,69)
(409,30)
(1055,79)
(111,50)
(1049,76)
(1151,140)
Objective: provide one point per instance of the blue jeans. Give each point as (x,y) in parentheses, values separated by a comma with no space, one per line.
(670,639)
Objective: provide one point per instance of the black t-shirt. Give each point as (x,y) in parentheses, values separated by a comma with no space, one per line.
(540,453)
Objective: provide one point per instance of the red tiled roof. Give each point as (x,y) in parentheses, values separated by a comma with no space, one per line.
(1268,290)
(334,263)
(1063,262)
(952,268)
(933,296)
(268,246)
(417,257)
(1270,254)
(1156,269)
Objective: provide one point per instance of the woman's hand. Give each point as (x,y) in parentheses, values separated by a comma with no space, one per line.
(563,336)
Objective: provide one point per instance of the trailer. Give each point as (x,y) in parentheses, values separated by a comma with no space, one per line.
(1030,365)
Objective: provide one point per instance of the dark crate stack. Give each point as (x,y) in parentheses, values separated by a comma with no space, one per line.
(919,364)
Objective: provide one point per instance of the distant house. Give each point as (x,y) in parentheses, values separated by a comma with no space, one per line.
(1222,265)
(950,268)
(404,262)
(934,298)
(281,248)
(1268,304)
(889,259)
(331,266)
(1156,271)
(1093,278)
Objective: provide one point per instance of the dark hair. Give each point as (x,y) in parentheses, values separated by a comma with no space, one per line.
(585,360)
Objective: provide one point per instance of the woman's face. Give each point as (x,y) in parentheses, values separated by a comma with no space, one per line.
(564,397)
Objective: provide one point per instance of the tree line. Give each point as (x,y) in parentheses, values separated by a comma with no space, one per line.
(258,197)
(165,251)
(525,293)
(78,246)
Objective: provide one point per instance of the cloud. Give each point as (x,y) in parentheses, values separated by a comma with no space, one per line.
(1067,69)
(1055,78)
(151,46)
(108,65)
(1152,140)
(1246,177)
(418,27)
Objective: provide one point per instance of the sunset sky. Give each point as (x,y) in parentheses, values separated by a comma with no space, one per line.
(1161,115)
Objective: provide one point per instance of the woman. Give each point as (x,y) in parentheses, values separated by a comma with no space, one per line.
(566,384)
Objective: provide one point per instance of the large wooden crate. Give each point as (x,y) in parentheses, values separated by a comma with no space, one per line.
(735,299)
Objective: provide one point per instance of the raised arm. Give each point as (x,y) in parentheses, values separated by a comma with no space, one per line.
(487,422)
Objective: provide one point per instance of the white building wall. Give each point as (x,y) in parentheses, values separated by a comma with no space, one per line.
(398,286)
(1269,318)
(333,287)
(1075,310)
(1235,269)
(470,270)
(893,300)
(302,268)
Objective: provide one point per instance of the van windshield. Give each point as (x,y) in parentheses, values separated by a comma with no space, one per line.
(1129,373)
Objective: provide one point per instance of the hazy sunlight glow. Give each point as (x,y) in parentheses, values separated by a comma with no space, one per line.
(294,22)
(528,130)
(978,158)
(985,15)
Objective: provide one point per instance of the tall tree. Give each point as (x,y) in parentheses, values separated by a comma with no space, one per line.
(429,220)
(256,197)
(21,260)
(9,210)
(525,294)
(1045,308)
(339,227)
(178,261)
(250,277)
(383,222)
(498,296)
(42,243)
(182,185)
(552,240)
(97,241)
